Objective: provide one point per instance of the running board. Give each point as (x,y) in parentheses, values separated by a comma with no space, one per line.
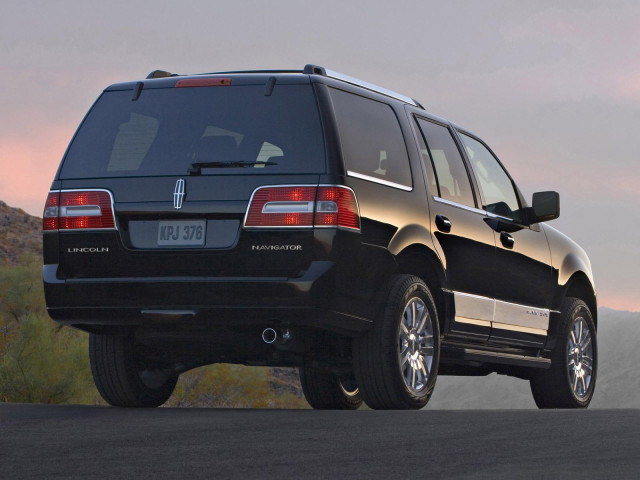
(451,352)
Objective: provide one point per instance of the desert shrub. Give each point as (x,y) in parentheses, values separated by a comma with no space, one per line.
(43,363)
(232,386)
(39,361)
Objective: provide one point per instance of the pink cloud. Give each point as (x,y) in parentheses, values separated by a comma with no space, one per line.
(617,301)
(28,164)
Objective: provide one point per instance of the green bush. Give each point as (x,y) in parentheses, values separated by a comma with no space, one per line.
(39,361)
(43,363)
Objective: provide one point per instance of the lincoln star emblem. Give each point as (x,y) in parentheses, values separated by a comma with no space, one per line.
(178,194)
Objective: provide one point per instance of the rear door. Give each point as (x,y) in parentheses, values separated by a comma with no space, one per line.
(464,241)
(181,162)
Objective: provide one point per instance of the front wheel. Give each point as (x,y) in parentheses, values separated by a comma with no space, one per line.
(124,376)
(396,361)
(571,379)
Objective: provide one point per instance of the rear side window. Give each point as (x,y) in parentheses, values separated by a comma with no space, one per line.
(451,174)
(167,130)
(372,142)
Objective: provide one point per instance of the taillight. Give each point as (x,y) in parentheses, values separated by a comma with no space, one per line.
(337,207)
(281,207)
(78,209)
(303,207)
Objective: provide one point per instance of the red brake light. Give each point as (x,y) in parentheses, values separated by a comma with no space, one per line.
(203,82)
(345,213)
(303,206)
(72,210)
(281,207)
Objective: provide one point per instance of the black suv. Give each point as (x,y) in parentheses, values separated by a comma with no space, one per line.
(307,218)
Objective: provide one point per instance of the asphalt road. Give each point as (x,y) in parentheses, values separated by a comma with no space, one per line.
(39,441)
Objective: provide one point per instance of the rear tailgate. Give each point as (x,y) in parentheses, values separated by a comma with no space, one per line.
(180,165)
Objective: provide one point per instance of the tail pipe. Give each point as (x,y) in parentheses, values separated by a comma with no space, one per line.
(270,336)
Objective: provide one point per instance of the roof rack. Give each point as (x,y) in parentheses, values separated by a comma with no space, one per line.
(310,69)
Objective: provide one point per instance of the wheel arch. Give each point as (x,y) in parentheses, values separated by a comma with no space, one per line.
(579,286)
(422,262)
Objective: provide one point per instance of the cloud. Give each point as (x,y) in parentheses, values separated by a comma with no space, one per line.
(28,164)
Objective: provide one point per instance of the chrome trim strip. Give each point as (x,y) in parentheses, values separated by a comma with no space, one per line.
(493,215)
(369,86)
(473,321)
(459,205)
(500,314)
(288,207)
(81,211)
(522,315)
(362,176)
(474,307)
(518,328)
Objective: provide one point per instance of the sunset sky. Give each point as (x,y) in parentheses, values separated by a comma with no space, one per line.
(552,86)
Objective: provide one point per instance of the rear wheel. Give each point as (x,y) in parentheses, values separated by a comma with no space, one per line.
(571,379)
(124,377)
(396,361)
(325,390)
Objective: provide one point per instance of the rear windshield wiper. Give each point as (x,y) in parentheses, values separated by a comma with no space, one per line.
(196,167)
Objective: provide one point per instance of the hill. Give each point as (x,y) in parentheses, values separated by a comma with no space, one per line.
(20,235)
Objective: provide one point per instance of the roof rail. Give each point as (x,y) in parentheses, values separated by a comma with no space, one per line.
(310,69)
(250,71)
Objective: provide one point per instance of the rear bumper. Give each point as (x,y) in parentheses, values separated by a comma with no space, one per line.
(308,300)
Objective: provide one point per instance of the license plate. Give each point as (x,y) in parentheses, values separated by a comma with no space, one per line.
(182,233)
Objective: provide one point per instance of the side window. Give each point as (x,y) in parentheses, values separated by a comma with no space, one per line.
(372,142)
(432,184)
(496,186)
(451,174)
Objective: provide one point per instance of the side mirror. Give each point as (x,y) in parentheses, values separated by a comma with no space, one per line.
(546,206)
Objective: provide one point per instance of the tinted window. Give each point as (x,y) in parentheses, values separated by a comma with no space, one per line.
(432,185)
(166,130)
(496,186)
(451,174)
(372,142)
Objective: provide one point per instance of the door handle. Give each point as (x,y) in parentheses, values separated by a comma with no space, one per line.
(507,240)
(443,223)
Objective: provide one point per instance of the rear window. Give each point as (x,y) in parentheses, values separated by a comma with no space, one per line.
(167,130)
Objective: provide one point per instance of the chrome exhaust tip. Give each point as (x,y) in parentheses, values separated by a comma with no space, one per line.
(269,335)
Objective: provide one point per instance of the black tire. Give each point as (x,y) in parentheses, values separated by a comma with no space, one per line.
(327,391)
(380,373)
(571,379)
(123,377)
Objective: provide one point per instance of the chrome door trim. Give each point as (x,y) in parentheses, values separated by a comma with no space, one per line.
(474,309)
(485,311)
(521,315)
(387,183)
(459,205)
